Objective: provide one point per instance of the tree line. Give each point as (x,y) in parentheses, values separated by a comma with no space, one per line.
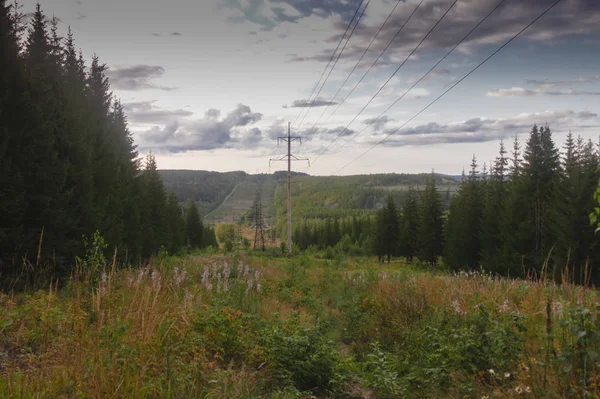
(68,164)
(527,213)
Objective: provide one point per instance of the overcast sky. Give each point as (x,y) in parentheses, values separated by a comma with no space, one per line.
(210,84)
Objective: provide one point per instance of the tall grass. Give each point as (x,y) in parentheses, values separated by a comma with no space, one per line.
(223,327)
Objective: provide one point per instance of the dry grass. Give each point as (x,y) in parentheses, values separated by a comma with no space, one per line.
(133,335)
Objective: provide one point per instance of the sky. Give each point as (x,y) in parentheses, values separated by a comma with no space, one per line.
(211,84)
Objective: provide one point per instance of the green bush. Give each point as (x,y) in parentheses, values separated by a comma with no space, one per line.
(302,357)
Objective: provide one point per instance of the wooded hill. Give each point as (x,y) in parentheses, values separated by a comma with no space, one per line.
(313,196)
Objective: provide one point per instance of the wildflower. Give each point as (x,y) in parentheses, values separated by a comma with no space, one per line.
(485,397)
(156,280)
(206,277)
(104,277)
(528,389)
(492,372)
(456,307)
(519,390)
(504,307)
(250,284)
(258,287)
(506,375)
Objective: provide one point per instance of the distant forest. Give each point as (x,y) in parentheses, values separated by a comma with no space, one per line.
(527,214)
(68,164)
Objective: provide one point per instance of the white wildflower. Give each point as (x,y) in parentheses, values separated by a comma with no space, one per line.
(528,389)
(519,390)
(258,287)
(492,372)
(156,280)
(250,283)
(456,306)
(504,307)
(506,375)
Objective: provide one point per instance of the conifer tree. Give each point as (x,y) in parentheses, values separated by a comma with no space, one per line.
(194,230)
(494,195)
(409,226)
(430,232)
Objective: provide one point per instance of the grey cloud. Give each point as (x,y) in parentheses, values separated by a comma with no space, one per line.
(378,123)
(436,73)
(522,92)
(268,14)
(550,83)
(209,133)
(326,133)
(479,130)
(80,16)
(147,112)
(572,18)
(321,8)
(319,102)
(157,34)
(137,77)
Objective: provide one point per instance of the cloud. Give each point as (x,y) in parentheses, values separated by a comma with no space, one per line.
(80,16)
(157,34)
(319,102)
(209,133)
(551,83)
(436,73)
(269,14)
(570,19)
(145,112)
(522,92)
(478,130)
(378,124)
(137,77)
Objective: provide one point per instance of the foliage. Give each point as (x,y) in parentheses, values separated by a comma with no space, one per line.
(226,235)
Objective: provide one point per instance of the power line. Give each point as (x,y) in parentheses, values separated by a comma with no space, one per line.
(330,60)
(357,63)
(451,87)
(387,81)
(372,121)
(374,62)
(335,63)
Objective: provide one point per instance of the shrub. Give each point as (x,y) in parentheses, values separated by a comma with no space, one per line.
(303,357)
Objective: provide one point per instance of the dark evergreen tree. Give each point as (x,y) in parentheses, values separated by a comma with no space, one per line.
(463,227)
(494,194)
(194,229)
(388,230)
(176,225)
(154,215)
(430,232)
(409,226)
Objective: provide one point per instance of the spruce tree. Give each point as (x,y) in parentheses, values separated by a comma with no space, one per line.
(409,226)
(193,227)
(430,232)
(154,215)
(494,195)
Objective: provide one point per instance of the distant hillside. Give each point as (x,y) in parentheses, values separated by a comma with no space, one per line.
(228,196)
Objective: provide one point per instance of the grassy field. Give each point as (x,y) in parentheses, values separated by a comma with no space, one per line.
(252,326)
(241,200)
